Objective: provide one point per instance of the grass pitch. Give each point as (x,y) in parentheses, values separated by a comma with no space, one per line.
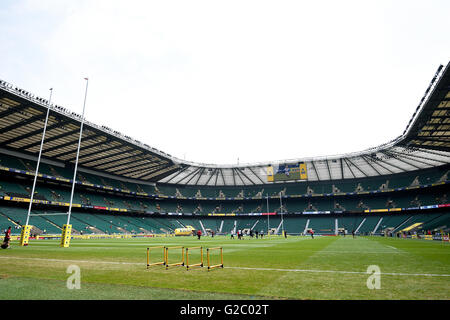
(268,268)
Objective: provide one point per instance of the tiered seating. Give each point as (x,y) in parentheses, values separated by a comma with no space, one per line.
(322,225)
(320,188)
(228,225)
(350,223)
(299,188)
(19,216)
(5,223)
(349,204)
(146,189)
(151,225)
(295,225)
(392,221)
(369,224)
(11,188)
(59,220)
(210,224)
(245,223)
(438,221)
(11,162)
(96,222)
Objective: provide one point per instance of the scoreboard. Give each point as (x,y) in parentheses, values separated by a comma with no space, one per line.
(285,172)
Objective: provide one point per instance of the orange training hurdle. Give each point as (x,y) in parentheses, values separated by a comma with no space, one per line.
(221,258)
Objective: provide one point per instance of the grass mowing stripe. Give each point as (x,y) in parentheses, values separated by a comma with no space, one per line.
(296,267)
(21,288)
(241,268)
(340,271)
(74,261)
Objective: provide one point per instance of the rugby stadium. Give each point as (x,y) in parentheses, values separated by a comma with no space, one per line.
(311,227)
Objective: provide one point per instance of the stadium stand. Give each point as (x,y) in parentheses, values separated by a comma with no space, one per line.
(124,186)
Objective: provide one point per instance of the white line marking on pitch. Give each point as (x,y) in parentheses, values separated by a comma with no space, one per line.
(240,268)
(78,261)
(334,271)
(391,247)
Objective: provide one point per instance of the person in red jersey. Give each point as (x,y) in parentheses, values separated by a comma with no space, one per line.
(7,238)
(199,234)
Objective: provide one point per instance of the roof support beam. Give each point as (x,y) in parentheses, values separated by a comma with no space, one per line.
(34,132)
(245,176)
(133,158)
(256,175)
(370,165)
(84,139)
(390,164)
(239,175)
(130,168)
(328,167)
(22,123)
(379,162)
(161,174)
(199,176)
(365,175)
(438,148)
(315,170)
(432,139)
(14,109)
(211,175)
(351,171)
(431,152)
(187,176)
(177,174)
(111,161)
(139,175)
(390,153)
(234,176)
(82,149)
(150,171)
(413,157)
(223,178)
(141,166)
(217,176)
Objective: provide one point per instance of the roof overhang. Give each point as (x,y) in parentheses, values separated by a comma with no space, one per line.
(102,149)
(425,143)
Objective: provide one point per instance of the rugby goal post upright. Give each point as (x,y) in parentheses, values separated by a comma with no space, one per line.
(199,264)
(178,263)
(26,229)
(67,228)
(163,262)
(210,266)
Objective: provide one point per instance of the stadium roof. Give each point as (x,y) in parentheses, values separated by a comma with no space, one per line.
(424,143)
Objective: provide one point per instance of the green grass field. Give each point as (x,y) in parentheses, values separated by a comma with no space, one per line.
(269,268)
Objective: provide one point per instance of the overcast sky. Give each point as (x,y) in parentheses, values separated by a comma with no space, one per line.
(214,81)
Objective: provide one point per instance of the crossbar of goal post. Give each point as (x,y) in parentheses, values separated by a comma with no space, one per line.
(209,260)
(158,262)
(179,263)
(200,264)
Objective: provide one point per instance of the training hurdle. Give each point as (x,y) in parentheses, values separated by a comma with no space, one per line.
(221,258)
(200,264)
(180,263)
(158,262)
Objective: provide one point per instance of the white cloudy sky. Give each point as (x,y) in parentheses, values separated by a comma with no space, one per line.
(214,81)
